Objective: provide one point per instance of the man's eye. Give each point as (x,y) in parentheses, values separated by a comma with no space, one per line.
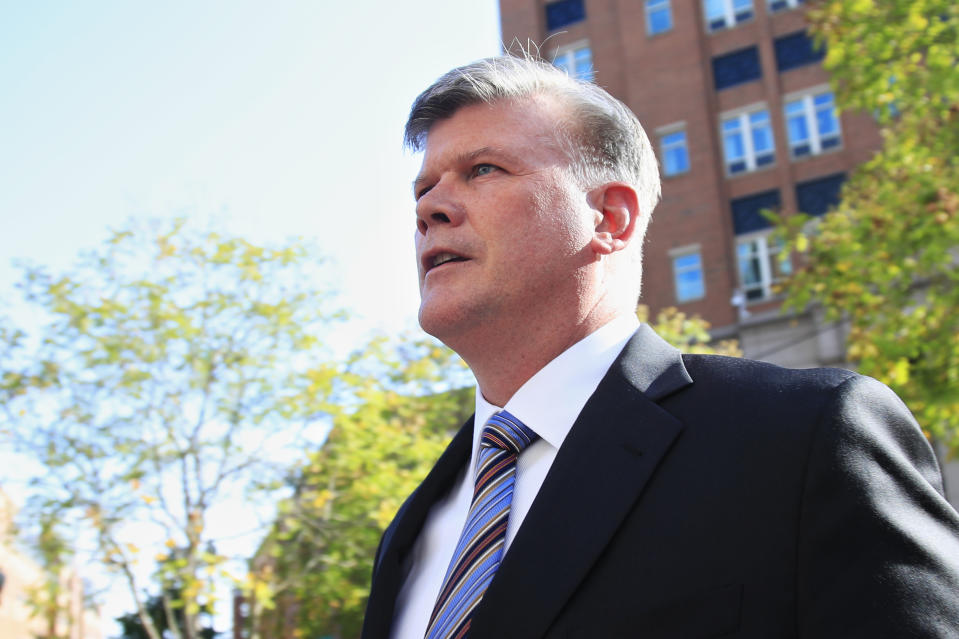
(483,169)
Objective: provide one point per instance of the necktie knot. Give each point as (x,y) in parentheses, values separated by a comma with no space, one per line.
(506,432)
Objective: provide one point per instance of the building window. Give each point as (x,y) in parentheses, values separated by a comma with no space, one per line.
(760,267)
(721,14)
(815,197)
(747,141)
(736,67)
(748,211)
(659,16)
(576,60)
(688,274)
(782,5)
(561,13)
(673,150)
(796,50)
(812,124)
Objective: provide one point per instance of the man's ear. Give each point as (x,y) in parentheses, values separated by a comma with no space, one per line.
(617,210)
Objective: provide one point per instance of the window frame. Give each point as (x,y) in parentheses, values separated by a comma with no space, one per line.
(679,253)
(728,68)
(816,142)
(668,8)
(730,16)
(554,28)
(788,5)
(752,160)
(569,52)
(814,185)
(769,274)
(662,133)
(801,42)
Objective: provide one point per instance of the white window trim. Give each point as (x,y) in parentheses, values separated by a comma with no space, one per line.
(790,4)
(745,127)
(664,131)
(813,90)
(729,16)
(767,278)
(649,24)
(570,50)
(683,251)
(812,125)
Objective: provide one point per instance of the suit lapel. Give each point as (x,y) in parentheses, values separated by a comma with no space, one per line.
(403,531)
(599,473)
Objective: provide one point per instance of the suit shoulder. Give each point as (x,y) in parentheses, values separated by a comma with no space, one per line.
(767,393)
(740,372)
(842,406)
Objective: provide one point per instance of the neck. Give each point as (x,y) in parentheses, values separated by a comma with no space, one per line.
(502,361)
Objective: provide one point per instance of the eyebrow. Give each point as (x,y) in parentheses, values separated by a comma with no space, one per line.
(468,157)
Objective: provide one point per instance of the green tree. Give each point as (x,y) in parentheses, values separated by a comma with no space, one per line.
(886,259)
(164,365)
(48,598)
(321,549)
(688,334)
(131,626)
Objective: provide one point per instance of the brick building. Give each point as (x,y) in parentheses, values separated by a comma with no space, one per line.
(740,111)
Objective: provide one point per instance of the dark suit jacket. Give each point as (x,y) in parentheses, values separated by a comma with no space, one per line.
(703,496)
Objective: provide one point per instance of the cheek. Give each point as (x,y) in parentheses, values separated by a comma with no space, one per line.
(417,245)
(565,210)
(567,229)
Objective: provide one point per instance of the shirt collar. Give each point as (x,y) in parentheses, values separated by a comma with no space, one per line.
(550,400)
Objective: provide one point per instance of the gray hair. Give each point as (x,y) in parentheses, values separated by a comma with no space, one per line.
(604,140)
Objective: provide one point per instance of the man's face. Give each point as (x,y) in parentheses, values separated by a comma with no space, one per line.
(503,229)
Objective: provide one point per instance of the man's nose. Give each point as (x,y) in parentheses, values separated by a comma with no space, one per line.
(440,206)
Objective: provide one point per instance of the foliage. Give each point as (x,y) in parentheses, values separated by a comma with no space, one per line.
(886,259)
(688,334)
(321,550)
(166,362)
(892,56)
(132,627)
(48,598)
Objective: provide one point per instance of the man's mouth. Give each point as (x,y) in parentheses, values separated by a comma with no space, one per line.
(443,258)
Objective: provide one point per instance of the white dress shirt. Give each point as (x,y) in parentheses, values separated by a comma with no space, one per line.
(549,403)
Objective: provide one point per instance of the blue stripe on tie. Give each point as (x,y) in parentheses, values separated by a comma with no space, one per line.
(479,550)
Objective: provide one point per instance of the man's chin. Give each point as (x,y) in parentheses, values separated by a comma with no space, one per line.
(433,322)
(444,321)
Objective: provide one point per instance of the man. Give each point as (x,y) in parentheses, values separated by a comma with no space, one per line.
(663,495)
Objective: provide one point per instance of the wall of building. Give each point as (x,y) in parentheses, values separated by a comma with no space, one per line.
(668,79)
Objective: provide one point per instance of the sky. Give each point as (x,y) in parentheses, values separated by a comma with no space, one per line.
(268,120)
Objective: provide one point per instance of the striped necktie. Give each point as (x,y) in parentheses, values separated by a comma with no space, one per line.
(480,547)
